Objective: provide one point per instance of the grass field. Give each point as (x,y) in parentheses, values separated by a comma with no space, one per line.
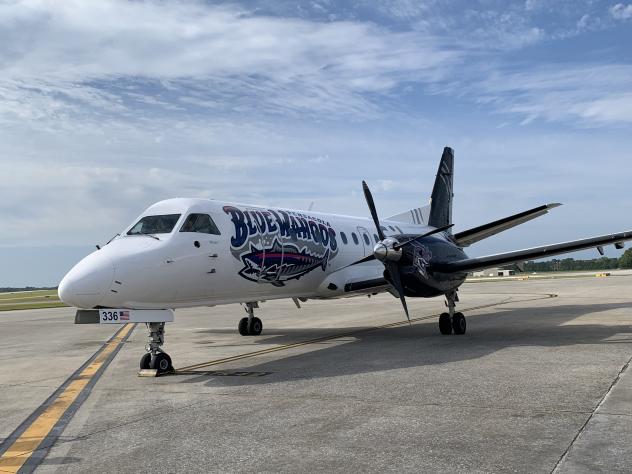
(29,300)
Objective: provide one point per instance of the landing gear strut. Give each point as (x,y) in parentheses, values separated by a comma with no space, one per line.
(452,321)
(251,325)
(155,358)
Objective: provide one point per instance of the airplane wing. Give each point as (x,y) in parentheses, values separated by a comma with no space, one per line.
(468,237)
(471,264)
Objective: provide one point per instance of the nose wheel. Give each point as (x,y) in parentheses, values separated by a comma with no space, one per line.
(155,358)
(250,325)
(452,321)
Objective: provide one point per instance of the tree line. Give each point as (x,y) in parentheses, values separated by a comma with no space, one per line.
(11,289)
(570,264)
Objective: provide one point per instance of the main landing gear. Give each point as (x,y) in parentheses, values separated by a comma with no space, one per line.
(155,358)
(452,321)
(251,325)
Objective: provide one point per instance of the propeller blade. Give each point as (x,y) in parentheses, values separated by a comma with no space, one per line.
(369,200)
(368,258)
(393,270)
(432,232)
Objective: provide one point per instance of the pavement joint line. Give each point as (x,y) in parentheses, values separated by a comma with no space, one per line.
(590,417)
(202,404)
(293,345)
(31,382)
(347,398)
(130,422)
(26,447)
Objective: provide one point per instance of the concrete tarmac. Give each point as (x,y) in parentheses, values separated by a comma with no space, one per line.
(538,384)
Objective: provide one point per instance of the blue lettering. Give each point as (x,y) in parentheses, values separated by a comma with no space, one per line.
(241,229)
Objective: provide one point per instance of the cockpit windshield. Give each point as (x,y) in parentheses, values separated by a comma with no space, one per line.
(155,224)
(201,223)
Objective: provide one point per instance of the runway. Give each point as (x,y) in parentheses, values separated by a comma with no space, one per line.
(539,383)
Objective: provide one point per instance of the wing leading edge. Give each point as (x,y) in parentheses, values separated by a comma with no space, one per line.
(488,261)
(470,236)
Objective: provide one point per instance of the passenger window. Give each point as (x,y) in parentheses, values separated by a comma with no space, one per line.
(355,238)
(391,227)
(343,236)
(366,239)
(375,238)
(201,223)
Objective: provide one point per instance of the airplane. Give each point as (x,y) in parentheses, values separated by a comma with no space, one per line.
(198,252)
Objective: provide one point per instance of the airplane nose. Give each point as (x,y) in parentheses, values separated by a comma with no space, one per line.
(86,284)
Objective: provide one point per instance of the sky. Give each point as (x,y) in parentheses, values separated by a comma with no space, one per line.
(109,106)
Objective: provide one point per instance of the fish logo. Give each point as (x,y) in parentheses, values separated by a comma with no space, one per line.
(280,262)
(422,258)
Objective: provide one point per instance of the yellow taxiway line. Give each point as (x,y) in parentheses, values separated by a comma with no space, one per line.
(27,443)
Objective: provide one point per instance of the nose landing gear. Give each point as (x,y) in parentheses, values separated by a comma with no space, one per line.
(155,358)
(251,325)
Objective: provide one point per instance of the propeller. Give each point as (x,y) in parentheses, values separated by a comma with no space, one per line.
(399,245)
(388,250)
(391,266)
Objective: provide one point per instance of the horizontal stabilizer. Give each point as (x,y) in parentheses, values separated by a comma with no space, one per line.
(470,236)
(418,215)
(472,264)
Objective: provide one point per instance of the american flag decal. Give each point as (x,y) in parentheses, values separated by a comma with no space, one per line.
(124,316)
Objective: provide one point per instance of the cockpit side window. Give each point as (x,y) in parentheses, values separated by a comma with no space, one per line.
(155,224)
(201,223)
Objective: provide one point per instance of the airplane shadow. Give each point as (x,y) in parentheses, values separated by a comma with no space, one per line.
(421,345)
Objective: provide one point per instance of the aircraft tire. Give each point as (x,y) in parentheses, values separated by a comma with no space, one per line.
(444,324)
(243,327)
(255,328)
(145,361)
(458,323)
(162,363)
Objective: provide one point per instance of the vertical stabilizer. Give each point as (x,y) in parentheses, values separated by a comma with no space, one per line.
(441,200)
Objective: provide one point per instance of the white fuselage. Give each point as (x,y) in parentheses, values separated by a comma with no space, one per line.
(255,253)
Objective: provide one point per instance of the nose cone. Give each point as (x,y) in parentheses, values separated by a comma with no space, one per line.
(380,251)
(87,283)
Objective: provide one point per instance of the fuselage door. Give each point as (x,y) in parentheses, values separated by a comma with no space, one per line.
(366,240)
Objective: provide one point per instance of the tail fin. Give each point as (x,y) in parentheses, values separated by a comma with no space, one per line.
(441,201)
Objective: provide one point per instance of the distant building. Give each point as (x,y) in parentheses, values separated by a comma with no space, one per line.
(494,272)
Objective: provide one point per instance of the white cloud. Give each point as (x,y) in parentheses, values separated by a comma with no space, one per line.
(621,11)
(585,94)
(61,57)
